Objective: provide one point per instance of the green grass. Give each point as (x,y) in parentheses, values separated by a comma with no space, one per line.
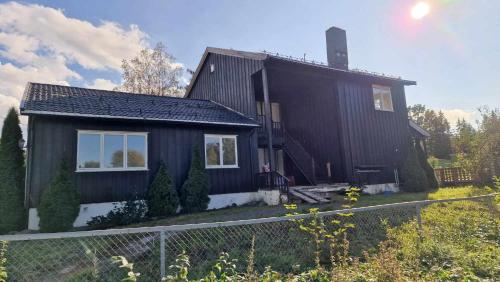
(57,257)
(258,210)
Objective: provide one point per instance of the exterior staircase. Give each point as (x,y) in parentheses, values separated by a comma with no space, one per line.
(300,157)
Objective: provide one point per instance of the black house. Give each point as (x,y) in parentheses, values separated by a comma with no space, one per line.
(320,122)
(263,121)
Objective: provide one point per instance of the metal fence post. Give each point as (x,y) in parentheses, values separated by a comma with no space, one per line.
(419,219)
(162,255)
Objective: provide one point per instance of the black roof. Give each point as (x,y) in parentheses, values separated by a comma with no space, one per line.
(263,56)
(48,99)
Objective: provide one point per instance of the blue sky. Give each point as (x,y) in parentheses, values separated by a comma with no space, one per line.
(453,53)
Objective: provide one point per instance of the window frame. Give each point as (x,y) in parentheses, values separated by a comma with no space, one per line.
(101,134)
(383,87)
(221,153)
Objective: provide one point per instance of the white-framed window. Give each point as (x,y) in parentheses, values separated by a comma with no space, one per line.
(221,151)
(111,151)
(382,98)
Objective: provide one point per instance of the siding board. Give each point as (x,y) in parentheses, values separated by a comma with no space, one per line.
(56,138)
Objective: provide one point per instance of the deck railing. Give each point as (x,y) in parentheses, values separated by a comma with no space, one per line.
(272,180)
(276,127)
(453,176)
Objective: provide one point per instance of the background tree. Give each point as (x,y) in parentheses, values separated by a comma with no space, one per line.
(152,72)
(413,177)
(60,203)
(483,160)
(12,211)
(463,138)
(163,199)
(194,192)
(438,127)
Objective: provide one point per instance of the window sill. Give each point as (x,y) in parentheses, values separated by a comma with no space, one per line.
(220,167)
(111,170)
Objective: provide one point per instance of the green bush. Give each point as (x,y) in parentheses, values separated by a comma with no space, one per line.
(133,211)
(3,261)
(12,211)
(412,175)
(429,171)
(60,203)
(162,199)
(194,191)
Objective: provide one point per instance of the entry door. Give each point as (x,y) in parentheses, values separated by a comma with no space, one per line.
(264,160)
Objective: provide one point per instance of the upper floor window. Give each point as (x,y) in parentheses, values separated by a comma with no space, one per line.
(221,151)
(382,98)
(111,151)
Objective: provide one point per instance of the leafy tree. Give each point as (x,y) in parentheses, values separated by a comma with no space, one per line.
(12,211)
(438,127)
(429,171)
(163,199)
(484,157)
(194,191)
(60,203)
(412,175)
(152,72)
(464,137)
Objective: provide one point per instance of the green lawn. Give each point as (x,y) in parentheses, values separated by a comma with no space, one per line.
(258,210)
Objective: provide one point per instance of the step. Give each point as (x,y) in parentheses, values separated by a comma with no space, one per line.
(302,196)
(315,196)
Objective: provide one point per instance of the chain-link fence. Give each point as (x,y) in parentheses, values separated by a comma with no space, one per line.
(278,242)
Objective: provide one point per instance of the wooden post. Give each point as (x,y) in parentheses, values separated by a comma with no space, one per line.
(268,120)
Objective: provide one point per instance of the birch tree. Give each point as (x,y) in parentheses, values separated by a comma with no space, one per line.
(153,72)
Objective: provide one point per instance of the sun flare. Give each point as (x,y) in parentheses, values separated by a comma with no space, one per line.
(420,10)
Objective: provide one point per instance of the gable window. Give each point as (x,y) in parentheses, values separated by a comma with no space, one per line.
(382,98)
(221,151)
(111,151)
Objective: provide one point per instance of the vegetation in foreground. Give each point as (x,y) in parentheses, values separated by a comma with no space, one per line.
(460,242)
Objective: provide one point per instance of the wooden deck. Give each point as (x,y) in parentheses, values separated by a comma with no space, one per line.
(316,194)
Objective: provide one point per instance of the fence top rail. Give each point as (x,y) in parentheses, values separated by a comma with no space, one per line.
(174,228)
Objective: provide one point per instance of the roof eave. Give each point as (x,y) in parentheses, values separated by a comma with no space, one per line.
(48,113)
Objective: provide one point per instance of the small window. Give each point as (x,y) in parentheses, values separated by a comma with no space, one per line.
(221,151)
(111,151)
(382,98)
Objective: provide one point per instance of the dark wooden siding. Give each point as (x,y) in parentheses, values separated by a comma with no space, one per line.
(309,111)
(372,137)
(230,84)
(53,139)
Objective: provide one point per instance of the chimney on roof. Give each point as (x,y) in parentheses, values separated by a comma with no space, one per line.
(336,48)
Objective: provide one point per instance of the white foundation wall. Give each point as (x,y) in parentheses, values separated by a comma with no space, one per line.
(87,211)
(373,189)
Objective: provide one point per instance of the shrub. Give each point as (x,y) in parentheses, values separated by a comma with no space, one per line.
(429,171)
(162,199)
(3,261)
(60,203)
(13,213)
(133,211)
(412,175)
(194,192)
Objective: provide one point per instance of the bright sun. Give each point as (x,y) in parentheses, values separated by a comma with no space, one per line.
(420,10)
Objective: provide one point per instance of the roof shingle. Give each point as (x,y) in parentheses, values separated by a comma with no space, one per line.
(48,99)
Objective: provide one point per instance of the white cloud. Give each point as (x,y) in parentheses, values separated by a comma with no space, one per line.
(103,84)
(39,43)
(93,47)
(453,115)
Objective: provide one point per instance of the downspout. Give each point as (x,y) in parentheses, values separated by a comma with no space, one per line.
(268,119)
(27,180)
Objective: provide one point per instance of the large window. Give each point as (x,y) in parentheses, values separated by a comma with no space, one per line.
(110,151)
(221,151)
(382,98)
